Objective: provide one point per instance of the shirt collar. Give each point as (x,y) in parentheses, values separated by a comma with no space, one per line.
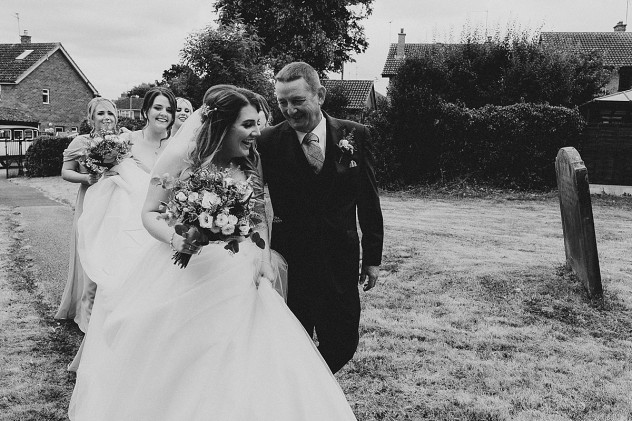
(320,130)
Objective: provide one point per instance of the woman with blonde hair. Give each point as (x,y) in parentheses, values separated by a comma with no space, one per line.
(78,295)
(184,109)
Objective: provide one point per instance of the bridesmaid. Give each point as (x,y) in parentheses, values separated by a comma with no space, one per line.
(183,110)
(76,302)
(159,112)
(110,231)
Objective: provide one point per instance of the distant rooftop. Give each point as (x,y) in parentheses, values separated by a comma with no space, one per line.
(356,91)
(616,47)
(14,60)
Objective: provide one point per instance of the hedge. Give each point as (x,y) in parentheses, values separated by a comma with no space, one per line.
(44,157)
(506,146)
(509,146)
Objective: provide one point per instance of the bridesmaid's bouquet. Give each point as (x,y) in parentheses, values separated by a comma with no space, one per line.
(105,150)
(210,205)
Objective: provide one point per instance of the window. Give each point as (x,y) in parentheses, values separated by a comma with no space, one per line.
(73,129)
(18,134)
(45,96)
(28,134)
(126,113)
(24,55)
(5,134)
(58,130)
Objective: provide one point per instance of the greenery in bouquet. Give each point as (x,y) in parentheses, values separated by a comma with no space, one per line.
(210,205)
(104,150)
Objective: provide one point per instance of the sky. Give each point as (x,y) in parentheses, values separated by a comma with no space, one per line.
(119,44)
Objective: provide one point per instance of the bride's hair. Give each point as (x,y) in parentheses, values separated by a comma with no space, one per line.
(221,107)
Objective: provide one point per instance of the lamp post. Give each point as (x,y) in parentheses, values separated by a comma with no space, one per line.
(130,105)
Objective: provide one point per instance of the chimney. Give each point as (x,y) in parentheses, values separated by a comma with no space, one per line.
(620,27)
(401,42)
(26,38)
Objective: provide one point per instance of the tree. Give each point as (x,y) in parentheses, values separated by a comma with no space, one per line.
(509,70)
(227,54)
(336,102)
(142,89)
(183,81)
(323,33)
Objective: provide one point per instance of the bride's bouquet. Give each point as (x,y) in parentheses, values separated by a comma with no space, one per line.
(105,150)
(210,205)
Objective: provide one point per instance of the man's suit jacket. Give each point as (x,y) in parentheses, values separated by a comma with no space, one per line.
(315,226)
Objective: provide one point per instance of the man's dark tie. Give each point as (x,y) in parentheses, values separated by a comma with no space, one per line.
(313,152)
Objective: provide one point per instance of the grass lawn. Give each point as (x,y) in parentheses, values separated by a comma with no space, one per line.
(475,317)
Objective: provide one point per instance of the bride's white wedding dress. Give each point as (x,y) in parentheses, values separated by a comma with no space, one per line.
(111,232)
(200,343)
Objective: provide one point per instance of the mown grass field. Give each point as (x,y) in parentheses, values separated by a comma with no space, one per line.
(474,317)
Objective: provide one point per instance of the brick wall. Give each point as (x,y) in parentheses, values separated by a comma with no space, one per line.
(69,94)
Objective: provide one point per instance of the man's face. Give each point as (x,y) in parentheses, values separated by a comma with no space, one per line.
(299,105)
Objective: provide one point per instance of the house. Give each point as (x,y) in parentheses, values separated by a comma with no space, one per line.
(129,106)
(360,94)
(397,53)
(17,129)
(41,79)
(616,48)
(16,124)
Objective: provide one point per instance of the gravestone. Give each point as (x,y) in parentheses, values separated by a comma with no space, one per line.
(577,219)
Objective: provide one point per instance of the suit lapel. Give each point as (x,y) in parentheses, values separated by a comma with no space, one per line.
(330,169)
(294,156)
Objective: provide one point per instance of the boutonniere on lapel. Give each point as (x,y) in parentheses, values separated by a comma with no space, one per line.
(347,147)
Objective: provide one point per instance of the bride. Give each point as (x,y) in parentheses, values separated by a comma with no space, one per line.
(212,341)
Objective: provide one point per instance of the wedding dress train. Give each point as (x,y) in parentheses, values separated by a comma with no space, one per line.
(201,343)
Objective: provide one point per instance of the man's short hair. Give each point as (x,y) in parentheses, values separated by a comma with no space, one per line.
(297,70)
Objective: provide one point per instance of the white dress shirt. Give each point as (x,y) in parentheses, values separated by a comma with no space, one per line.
(320,130)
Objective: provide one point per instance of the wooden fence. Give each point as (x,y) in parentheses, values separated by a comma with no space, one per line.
(607,153)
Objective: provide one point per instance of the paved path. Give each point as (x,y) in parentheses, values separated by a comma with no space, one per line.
(45,227)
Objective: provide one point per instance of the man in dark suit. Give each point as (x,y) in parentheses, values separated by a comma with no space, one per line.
(319,172)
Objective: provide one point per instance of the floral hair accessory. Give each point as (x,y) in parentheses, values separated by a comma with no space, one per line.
(205,111)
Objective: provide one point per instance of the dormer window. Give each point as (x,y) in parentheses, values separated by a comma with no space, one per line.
(45,96)
(24,54)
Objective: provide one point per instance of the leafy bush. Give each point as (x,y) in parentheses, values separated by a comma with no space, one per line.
(505,146)
(503,72)
(132,124)
(336,102)
(387,164)
(44,157)
(508,146)
(496,112)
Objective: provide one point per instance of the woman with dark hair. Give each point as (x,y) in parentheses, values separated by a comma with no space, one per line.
(159,113)
(110,231)
(213,340)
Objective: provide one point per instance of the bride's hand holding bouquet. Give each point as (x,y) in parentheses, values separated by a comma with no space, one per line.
(208,205)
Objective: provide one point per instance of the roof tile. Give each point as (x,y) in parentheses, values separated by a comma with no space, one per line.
(615,46)
(410,51)
(16,115)
(11,69)
(357,91)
